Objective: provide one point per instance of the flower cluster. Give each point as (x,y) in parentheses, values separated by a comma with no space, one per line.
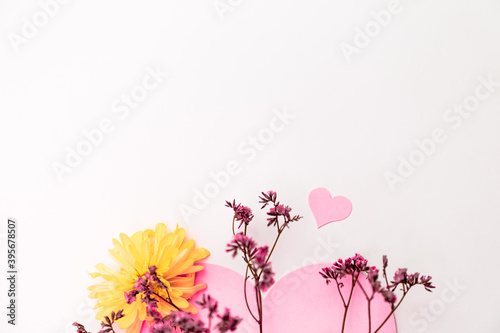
(152,288)
(176,321)
(106,325)
(207,302)
(277,210)
(401,277)
(185,323)
(354,266)
(157,260)
(227,322)
(243,243)
(150,285)
(350,266)
(376,285)
(242,213)
(179,321)
(357,265)
(257,258)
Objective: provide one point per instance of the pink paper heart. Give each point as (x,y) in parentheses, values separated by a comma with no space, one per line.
(299,302)
(327,209)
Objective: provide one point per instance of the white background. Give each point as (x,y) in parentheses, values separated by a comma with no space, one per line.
(228,74)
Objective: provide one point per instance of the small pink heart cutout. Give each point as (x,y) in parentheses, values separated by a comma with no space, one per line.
(327,209)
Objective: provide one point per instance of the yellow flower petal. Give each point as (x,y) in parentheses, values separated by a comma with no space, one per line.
(174,257)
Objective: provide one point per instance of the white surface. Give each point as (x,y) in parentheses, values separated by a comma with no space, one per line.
(226,76)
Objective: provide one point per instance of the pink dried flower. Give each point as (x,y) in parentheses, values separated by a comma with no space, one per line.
(373,279)
(131,296)
(242,213)
(242,243)
(409,280)
(267,279)
(329,273)
(281,210)
(227,322)
(389,296)
(426,282)
(351,265)
(400,276)
(266,198)
(184,322)
(385,261)
(209,303)
(261,256)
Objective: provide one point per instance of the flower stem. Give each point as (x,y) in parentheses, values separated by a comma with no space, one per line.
(369,300)
(341,296)
(387,285)
(258,296)
(169,300)
(245,293)
(353,284)
(369,316)
(394,309)
(280,231)
(234,217)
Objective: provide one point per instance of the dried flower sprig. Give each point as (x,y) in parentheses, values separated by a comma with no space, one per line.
(107,324)
(257,259)
(80,328)
(227,322)
(207,302)
(177,321)
(357,265)
(151,287)
(182,322)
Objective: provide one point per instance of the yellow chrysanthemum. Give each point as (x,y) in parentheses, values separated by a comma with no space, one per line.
(172,254)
